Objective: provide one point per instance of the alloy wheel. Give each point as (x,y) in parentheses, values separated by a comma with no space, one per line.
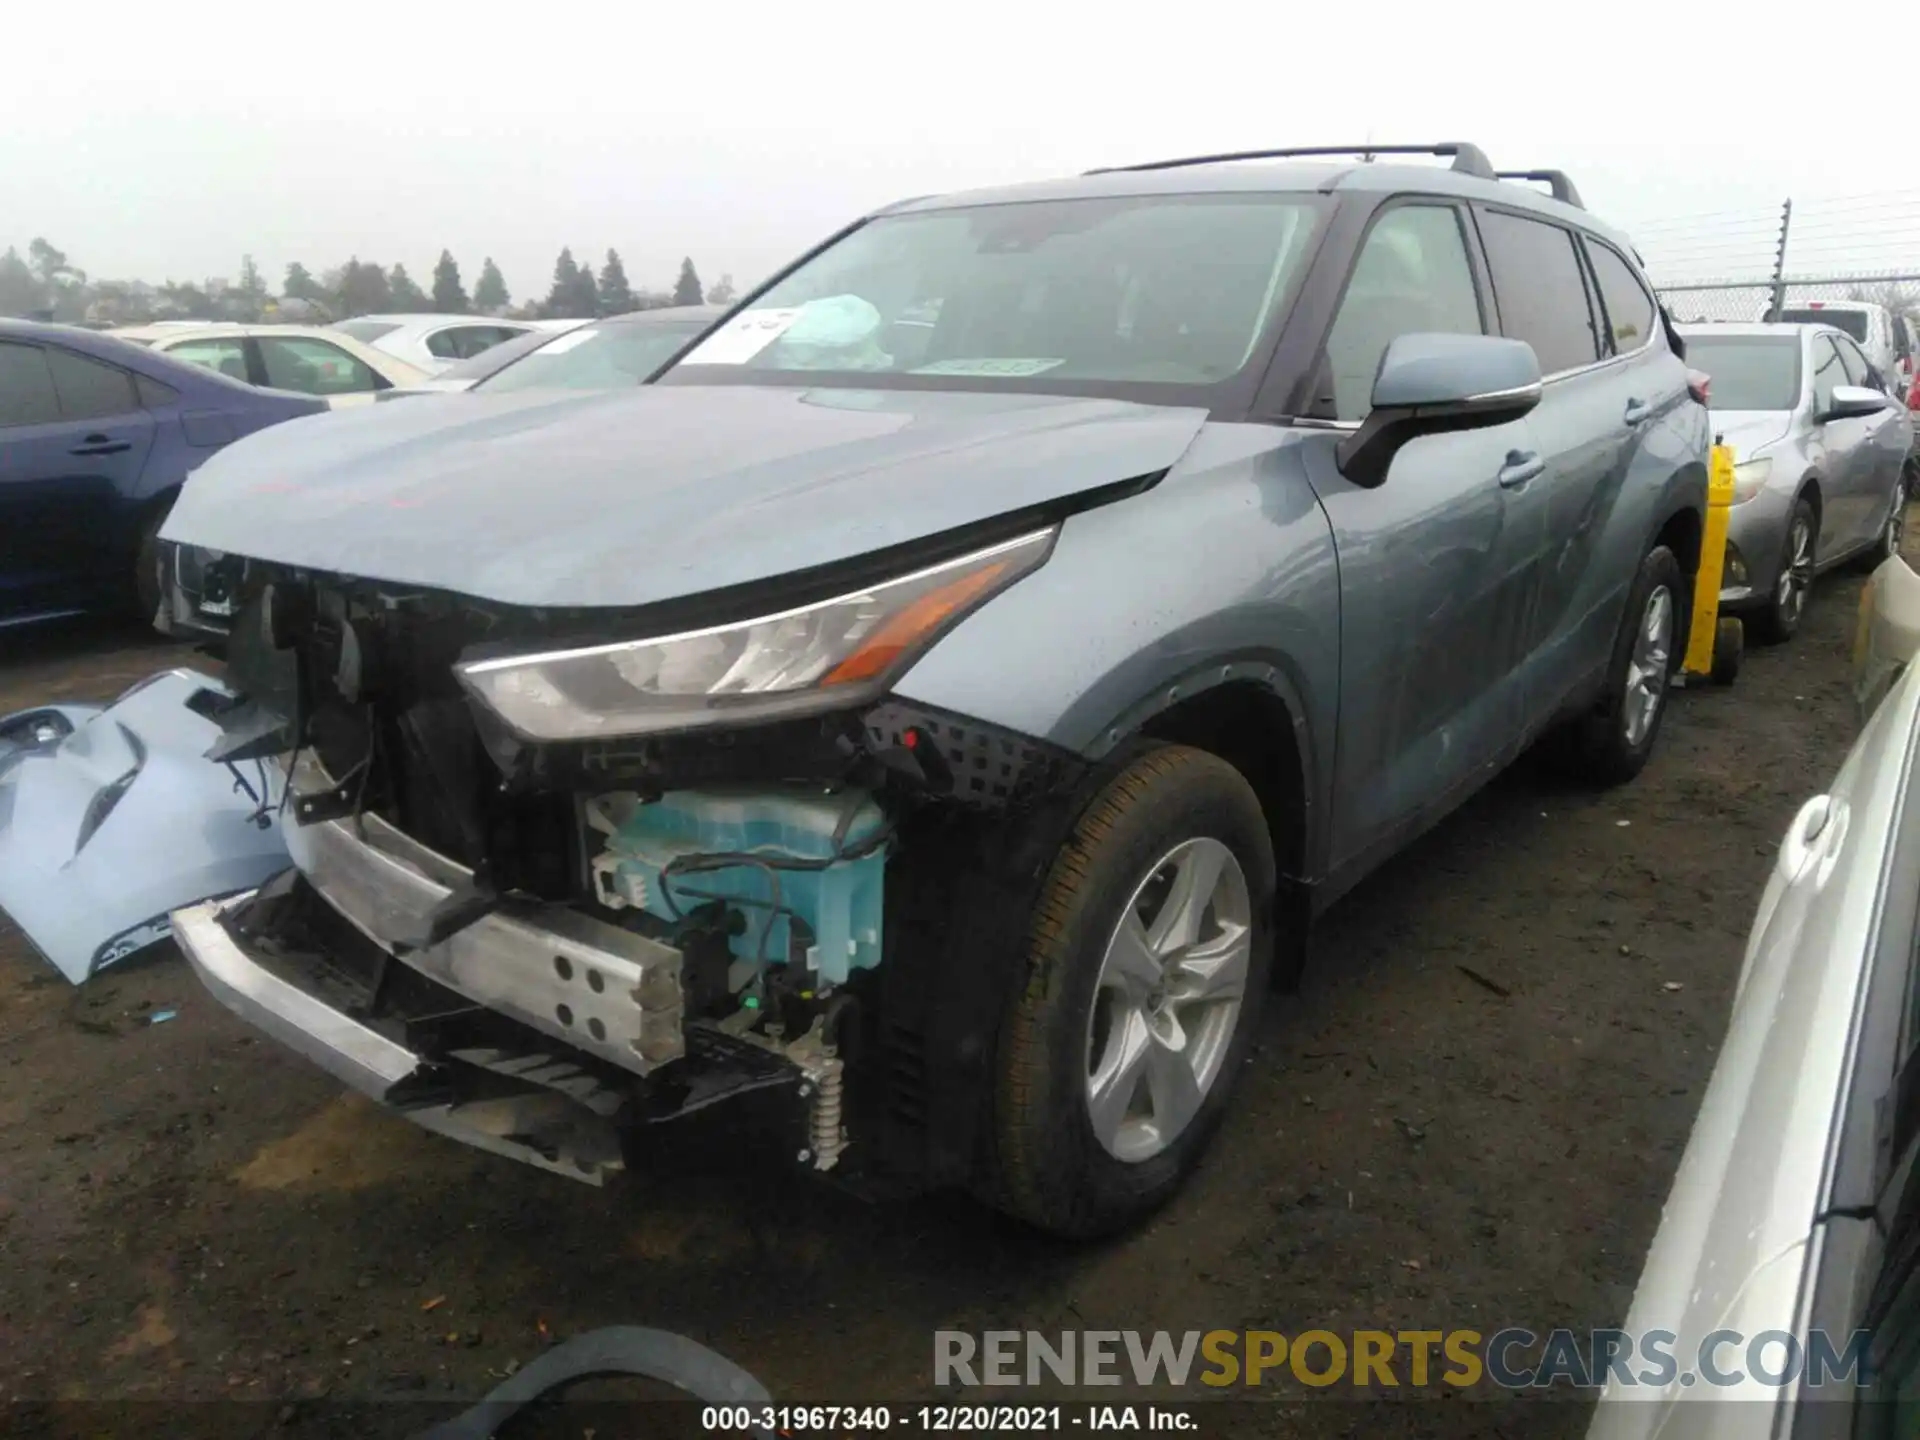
(1796,575)
(1648,666)
(1167,999)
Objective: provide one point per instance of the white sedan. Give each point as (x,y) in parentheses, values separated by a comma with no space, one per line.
(307,358)
(430,343)
(1786,1272)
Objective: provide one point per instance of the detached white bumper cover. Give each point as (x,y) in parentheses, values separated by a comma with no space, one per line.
(112,817)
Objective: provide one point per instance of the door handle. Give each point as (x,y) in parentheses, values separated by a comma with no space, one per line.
(100,445)
(1638,412)
(1521,467)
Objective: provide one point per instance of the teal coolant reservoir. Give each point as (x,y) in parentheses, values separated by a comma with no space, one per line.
(839,902)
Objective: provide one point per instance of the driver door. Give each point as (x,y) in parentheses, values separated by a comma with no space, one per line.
(1437,564)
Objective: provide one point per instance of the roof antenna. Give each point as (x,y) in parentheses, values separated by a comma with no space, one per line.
(1366,150)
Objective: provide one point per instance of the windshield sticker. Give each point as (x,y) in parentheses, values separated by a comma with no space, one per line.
(1010,368)
(743,337)
(566,342)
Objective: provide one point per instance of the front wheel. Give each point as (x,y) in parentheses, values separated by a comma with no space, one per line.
(1615,741)
(1779,621)
(1146,965)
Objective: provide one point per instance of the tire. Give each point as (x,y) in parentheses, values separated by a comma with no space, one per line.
(1157,826)
(1891,534)
(1779,620)
(1613,743)
(146,566)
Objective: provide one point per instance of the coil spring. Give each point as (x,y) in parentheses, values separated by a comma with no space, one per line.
(828,1142)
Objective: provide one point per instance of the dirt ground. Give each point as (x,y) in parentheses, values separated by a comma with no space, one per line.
(190,1214)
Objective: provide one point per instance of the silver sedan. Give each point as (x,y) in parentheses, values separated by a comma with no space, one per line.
(1818,451)
(1785,1273)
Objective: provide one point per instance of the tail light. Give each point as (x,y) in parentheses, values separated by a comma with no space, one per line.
(1699,386)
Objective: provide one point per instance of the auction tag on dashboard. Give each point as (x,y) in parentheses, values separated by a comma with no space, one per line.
(743,337)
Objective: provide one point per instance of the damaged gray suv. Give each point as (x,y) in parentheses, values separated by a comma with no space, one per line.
(925,717)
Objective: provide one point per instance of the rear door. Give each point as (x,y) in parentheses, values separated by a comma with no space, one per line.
(1586,437)
(74,440)
(1875,448)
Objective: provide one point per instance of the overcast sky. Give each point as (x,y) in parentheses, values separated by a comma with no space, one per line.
(168,140)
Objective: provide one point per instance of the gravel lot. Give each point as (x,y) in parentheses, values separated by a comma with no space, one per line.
(189,1214)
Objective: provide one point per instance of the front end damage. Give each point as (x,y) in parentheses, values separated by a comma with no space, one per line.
(545,944)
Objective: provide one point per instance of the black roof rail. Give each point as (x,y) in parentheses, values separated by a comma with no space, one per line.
(1467,159)
(1554,180)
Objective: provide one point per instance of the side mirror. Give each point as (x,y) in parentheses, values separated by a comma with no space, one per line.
(1431,384)
(1851,402)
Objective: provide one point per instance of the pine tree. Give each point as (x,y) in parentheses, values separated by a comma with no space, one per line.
(449,295)
(406,294)
(686,290)
(566,288)
(723,293)
(300,285)
(586,294)
(363,289)
(490,291)
(616,296)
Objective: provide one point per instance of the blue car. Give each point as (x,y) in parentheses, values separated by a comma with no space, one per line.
(96,437)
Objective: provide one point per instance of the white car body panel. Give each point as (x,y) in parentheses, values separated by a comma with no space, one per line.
(396,372)
(408,341)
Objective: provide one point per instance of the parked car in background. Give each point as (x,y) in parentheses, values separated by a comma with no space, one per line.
(306,359)
(1796,1207)
(96,437)
(941,728)
(1871,326)
(1820,456)
(430,343)
(465,374)
(620,350)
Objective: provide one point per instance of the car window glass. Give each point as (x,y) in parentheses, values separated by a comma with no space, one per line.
(1629,309)
(606,356)
(1542,292)
(1827,373)
(1859,372)
(366,331)
(153,394)
(462,342)
(314,367)
(26,387)
(89,389)
(1094,289)
(1854,322)
(226,354)
(1412,276)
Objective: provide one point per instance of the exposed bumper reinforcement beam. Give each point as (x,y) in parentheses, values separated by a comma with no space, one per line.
(543,1129)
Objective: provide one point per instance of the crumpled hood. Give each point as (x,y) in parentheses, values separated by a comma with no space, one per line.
(635,496)
(1748,430)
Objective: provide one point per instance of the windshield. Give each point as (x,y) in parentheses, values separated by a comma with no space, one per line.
(606,356)
(496,358)
(366,331)
(1854,322)
(1748,373)
(1170,290)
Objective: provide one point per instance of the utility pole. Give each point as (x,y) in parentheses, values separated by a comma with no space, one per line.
(1779,301)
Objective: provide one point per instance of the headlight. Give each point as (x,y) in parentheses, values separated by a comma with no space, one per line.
(1750,478)
(818,657)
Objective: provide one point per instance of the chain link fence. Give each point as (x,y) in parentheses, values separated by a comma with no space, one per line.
(1755,299)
